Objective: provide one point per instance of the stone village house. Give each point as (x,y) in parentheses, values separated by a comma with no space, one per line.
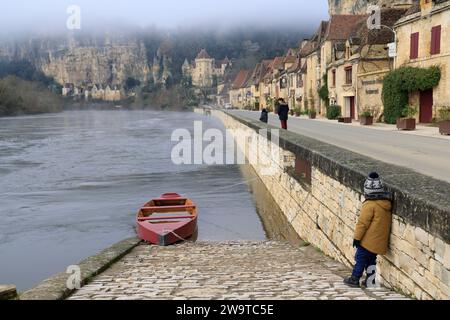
(355,60)
(358,65)
(110,93)
(423,41)
(237,91)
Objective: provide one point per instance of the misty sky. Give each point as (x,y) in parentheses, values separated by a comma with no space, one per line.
(19,15)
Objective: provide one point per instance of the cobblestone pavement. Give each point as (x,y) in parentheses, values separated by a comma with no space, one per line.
(228,271)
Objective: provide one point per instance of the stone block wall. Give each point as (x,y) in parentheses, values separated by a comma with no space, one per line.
(324,212)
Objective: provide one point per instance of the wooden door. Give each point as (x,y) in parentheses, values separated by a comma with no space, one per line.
(352,108)
(426,106)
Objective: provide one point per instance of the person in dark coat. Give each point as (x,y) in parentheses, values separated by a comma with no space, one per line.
(264,116)
(283,113)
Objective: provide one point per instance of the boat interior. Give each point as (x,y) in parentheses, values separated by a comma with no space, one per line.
(162,211)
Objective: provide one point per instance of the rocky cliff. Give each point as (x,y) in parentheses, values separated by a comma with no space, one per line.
(360,6)
(84,61)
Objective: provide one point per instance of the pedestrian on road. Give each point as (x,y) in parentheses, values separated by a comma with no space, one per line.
(264,116)
(283,113)
(372,231)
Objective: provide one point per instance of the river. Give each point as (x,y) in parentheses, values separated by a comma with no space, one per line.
(71,183)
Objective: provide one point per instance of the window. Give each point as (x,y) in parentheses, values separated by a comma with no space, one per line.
(349,75)
(436,40)
(299,81)
(333,76)
(414,52)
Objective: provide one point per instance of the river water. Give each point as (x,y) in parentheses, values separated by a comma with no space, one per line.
(71,183)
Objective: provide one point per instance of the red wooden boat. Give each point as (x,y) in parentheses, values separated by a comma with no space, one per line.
(167,220)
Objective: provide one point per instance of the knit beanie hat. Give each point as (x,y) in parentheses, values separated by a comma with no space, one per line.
(374,187)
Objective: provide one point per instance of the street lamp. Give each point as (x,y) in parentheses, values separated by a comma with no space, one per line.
(395,42)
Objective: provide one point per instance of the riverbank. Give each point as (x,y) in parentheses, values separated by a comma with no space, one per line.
(56,287)
(20,97)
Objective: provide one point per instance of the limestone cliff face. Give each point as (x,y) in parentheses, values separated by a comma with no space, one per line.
(161,67)
(85,62)
(360,6)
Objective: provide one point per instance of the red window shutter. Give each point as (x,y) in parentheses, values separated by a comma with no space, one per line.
(414,54)
(433,41)
(436,40)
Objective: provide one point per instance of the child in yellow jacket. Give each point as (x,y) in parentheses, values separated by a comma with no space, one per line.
(372,231)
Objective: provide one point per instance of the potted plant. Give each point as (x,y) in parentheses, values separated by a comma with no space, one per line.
(312,114)
(297,112)
(444,124)
(366,117)
(407,122)
(333,112)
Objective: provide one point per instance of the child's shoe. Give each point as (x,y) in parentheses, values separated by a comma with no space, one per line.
(352,282)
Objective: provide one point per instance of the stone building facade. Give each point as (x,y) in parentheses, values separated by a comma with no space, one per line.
(358,66)
(205,71)
(110,93)
(238,90)
(424,35)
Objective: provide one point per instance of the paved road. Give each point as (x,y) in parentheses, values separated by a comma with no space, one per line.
(227,271)
(427,155)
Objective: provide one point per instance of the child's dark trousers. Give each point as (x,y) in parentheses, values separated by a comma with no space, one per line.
(364,260)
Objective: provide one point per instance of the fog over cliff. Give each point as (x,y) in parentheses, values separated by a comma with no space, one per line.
(122,39)
(44,16)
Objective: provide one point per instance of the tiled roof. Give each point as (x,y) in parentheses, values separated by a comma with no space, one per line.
(388,18)
(278,63)
(304,67)
(249,80)
(256,74)
(290,59)
(296,66)
(240,79)
(203,55)
(414,8)
(316,39)
(341,26)
(266,68)
(307,49)
(321,31)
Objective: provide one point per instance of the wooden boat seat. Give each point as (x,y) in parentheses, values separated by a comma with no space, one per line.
(168,208)
(170,199)
(165,218)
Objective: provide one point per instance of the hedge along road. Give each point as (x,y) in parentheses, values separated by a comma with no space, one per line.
(427,155)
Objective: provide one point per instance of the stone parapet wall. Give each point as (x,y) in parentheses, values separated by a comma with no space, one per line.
(324,210)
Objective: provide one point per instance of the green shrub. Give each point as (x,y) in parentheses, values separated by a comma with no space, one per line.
(444,114)
(399,83)
(323,91)
(19,96)
(333,112)
(409,112)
